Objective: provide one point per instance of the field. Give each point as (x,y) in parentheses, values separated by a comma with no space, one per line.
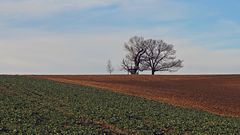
(213,93)
(40,106)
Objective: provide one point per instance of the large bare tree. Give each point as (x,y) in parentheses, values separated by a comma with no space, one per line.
(135,48)
(160,56)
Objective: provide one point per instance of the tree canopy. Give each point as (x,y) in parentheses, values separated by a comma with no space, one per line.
(150,54)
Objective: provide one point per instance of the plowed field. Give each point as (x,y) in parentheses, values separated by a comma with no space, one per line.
(219,94)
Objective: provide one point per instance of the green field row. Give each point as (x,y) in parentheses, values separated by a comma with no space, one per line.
(39,106)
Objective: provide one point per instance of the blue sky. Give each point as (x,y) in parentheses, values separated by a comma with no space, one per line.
(79,36)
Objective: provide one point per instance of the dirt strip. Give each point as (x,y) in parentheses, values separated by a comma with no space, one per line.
(219,94)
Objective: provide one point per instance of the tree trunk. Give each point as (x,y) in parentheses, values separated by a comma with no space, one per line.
(133,71)
(153,72)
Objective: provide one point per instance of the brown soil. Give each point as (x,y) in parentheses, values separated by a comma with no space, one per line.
(214,93)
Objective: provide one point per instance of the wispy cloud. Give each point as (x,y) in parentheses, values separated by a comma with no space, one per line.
(79,36)
(87,53)
(231,25)
(38,8)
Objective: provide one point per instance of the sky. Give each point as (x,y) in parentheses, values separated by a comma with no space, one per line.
(80,36)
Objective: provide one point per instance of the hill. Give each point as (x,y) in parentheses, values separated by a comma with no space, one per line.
(39,106)
(217,94)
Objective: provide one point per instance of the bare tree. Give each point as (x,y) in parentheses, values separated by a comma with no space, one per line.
(135,48)
(110,68)
(160,56)
(128,66)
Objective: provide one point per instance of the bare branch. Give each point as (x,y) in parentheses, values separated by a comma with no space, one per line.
(160,56)
(135,48)
(154,55)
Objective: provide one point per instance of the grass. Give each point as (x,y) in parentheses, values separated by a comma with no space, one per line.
(39,106)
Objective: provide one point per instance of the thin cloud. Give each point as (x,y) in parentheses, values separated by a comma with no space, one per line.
(154,9)
(41,8)
(87,53)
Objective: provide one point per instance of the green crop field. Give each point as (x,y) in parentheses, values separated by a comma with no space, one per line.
(39,106)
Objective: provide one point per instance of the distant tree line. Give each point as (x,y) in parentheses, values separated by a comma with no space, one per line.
(149,54)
